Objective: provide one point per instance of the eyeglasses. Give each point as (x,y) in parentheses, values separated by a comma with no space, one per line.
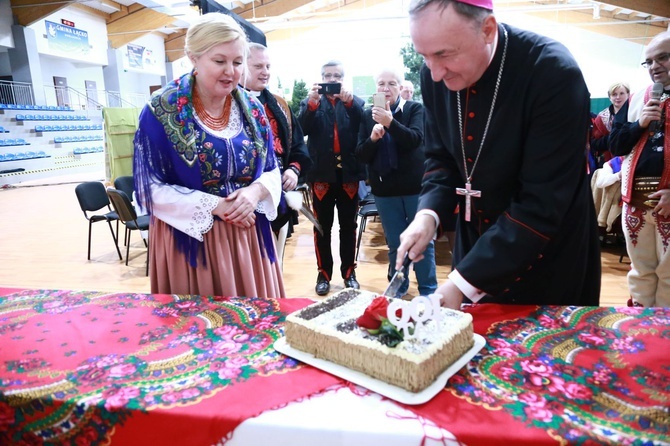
(660,59)
(338,76)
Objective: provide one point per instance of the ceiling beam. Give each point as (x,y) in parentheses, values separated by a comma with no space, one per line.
(655,7)
(91,11)
(620,26)
(268,8)
(28,12)
(174,45)
(136,24)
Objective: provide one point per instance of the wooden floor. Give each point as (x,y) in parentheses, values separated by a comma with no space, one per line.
(43,237)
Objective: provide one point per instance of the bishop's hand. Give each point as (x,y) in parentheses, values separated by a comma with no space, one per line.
(415,239)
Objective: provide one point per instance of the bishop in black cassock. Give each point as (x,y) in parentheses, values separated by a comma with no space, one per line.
(532,235)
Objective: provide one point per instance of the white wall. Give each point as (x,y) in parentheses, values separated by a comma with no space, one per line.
(6,39)
(75,72)
(95,27)
(153,59)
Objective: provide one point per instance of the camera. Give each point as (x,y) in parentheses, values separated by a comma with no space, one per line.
(330,88)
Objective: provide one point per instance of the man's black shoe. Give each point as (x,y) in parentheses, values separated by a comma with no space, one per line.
(351,282)
(322,285)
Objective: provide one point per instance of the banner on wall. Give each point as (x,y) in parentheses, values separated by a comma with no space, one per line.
(67,39)
(135,56)
(140,57)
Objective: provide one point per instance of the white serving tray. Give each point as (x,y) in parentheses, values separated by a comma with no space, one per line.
(388,390)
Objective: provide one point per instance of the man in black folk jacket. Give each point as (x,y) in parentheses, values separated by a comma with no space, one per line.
(331,122)
(289,142)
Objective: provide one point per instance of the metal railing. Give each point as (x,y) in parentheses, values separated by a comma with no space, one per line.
(70,97)
(16,93)
(21,93)
(118,99)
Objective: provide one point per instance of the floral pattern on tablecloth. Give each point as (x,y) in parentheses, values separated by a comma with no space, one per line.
(565,370)
(111,355)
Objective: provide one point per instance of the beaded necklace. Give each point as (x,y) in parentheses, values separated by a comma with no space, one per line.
(213,123)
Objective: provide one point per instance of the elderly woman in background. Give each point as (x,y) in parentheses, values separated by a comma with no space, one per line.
(390,142)
(618,94)
(205,170)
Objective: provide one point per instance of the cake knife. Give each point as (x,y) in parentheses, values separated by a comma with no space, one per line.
(398,278)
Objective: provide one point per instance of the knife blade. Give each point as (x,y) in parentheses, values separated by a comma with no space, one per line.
(398,278)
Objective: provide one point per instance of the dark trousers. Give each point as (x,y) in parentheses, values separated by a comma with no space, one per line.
(325,197)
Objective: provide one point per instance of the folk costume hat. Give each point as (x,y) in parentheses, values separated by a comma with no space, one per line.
(486,4)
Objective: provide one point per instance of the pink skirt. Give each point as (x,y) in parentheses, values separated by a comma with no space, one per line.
(235,265)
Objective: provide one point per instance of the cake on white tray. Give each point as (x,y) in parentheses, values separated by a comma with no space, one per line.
(329,330)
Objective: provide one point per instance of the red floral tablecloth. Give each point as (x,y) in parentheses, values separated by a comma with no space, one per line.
(90,368)
(86,368)
(561,375)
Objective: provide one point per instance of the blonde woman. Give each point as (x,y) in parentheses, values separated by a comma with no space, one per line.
(205,170)
(618,94)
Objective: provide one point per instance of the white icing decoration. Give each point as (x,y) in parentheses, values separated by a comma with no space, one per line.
(421,309)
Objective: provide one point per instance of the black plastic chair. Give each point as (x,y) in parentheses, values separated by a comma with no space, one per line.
(126,183)
(364,212)
(92,197)
(127,215)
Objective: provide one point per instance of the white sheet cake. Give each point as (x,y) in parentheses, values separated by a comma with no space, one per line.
(328,330)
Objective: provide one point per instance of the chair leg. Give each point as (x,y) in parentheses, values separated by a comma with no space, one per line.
(147,259)
(361,228)
(116,240)
(127,250)
(90,224)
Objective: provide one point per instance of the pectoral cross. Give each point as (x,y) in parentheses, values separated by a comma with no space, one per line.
(468,192)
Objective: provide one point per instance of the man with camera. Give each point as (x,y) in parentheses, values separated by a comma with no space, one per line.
(330,117)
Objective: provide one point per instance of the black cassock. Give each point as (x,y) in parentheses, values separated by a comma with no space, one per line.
(533,235)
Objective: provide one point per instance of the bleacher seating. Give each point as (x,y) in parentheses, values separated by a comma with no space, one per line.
(38,141)
(83,150)
(13,142)
(66,127)
(22,156)
(34,107)
(67,139)
(30,117)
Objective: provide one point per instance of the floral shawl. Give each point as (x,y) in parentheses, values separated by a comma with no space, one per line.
(165,151)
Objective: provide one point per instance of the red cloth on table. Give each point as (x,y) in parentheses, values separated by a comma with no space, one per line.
(88,368)
(550,375)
